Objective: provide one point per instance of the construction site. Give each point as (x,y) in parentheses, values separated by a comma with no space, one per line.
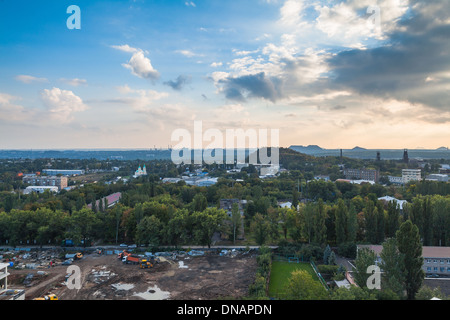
(123,275)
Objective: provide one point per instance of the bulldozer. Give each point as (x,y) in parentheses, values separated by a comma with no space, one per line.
(145,264)
(49,297)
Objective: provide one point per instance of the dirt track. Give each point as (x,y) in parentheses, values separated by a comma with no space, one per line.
(190,278)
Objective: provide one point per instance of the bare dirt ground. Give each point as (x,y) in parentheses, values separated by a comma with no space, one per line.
(104,277)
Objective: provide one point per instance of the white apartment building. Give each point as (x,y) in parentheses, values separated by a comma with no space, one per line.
(411,175)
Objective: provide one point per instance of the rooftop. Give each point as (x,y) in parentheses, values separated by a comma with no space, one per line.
(427,252)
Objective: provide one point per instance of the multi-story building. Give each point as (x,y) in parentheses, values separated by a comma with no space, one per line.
(40,189)
(362,174)
(436,260)
(5,292)
(395,180)
(437,177)
(411,175)
(55,172)
(47,181)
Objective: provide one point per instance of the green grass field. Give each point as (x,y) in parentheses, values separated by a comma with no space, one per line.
(280,273)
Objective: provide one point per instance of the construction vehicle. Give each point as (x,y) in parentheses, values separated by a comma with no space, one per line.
(74,256)
(123,254)
(146,264)
(49,297)
(130,259)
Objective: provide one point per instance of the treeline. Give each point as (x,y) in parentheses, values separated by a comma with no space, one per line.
(359,220)
(148,203)
(155,223)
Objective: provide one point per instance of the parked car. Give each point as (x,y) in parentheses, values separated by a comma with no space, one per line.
(133,246)
(123,245)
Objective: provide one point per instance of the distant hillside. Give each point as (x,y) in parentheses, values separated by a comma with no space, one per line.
(287,157)
(293,160)
(311,149)
(358,149)
(442,149)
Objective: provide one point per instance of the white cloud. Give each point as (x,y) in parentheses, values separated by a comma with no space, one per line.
(139,64)
(74,82)
(291,13)
(190,4)
(142,100)
(29,79)
(61,104)
(12,112)
(216,64)
(126,48)
(189,53)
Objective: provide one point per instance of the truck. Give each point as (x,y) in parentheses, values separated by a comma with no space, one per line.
(130,259)
(123,254)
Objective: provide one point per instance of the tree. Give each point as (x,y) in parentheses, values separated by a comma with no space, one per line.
(409,245)
(177,228)
(82,223)
(352,293)
(352,224)
(392,264)
(260,229)
(235,220)
(320,229)
(426,293)
(138,213)
(381,226)
(118,215)
(207,223)
(441,220)
(341,222)
(326,254)
(295,196)
(295,224)
(148,231)
(302,286)
(332,259)
(308,226)
(365,258)
(393,218)
(199,203)
(427,221)
(370,216)
(284,222)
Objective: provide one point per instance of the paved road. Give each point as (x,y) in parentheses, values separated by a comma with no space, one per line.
(345,262)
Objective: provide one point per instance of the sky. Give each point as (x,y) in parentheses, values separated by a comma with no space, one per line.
(338,74)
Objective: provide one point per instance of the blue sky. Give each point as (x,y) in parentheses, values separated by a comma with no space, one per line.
(137,70)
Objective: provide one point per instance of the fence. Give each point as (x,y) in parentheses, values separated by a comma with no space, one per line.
(321,279)
(289,258)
